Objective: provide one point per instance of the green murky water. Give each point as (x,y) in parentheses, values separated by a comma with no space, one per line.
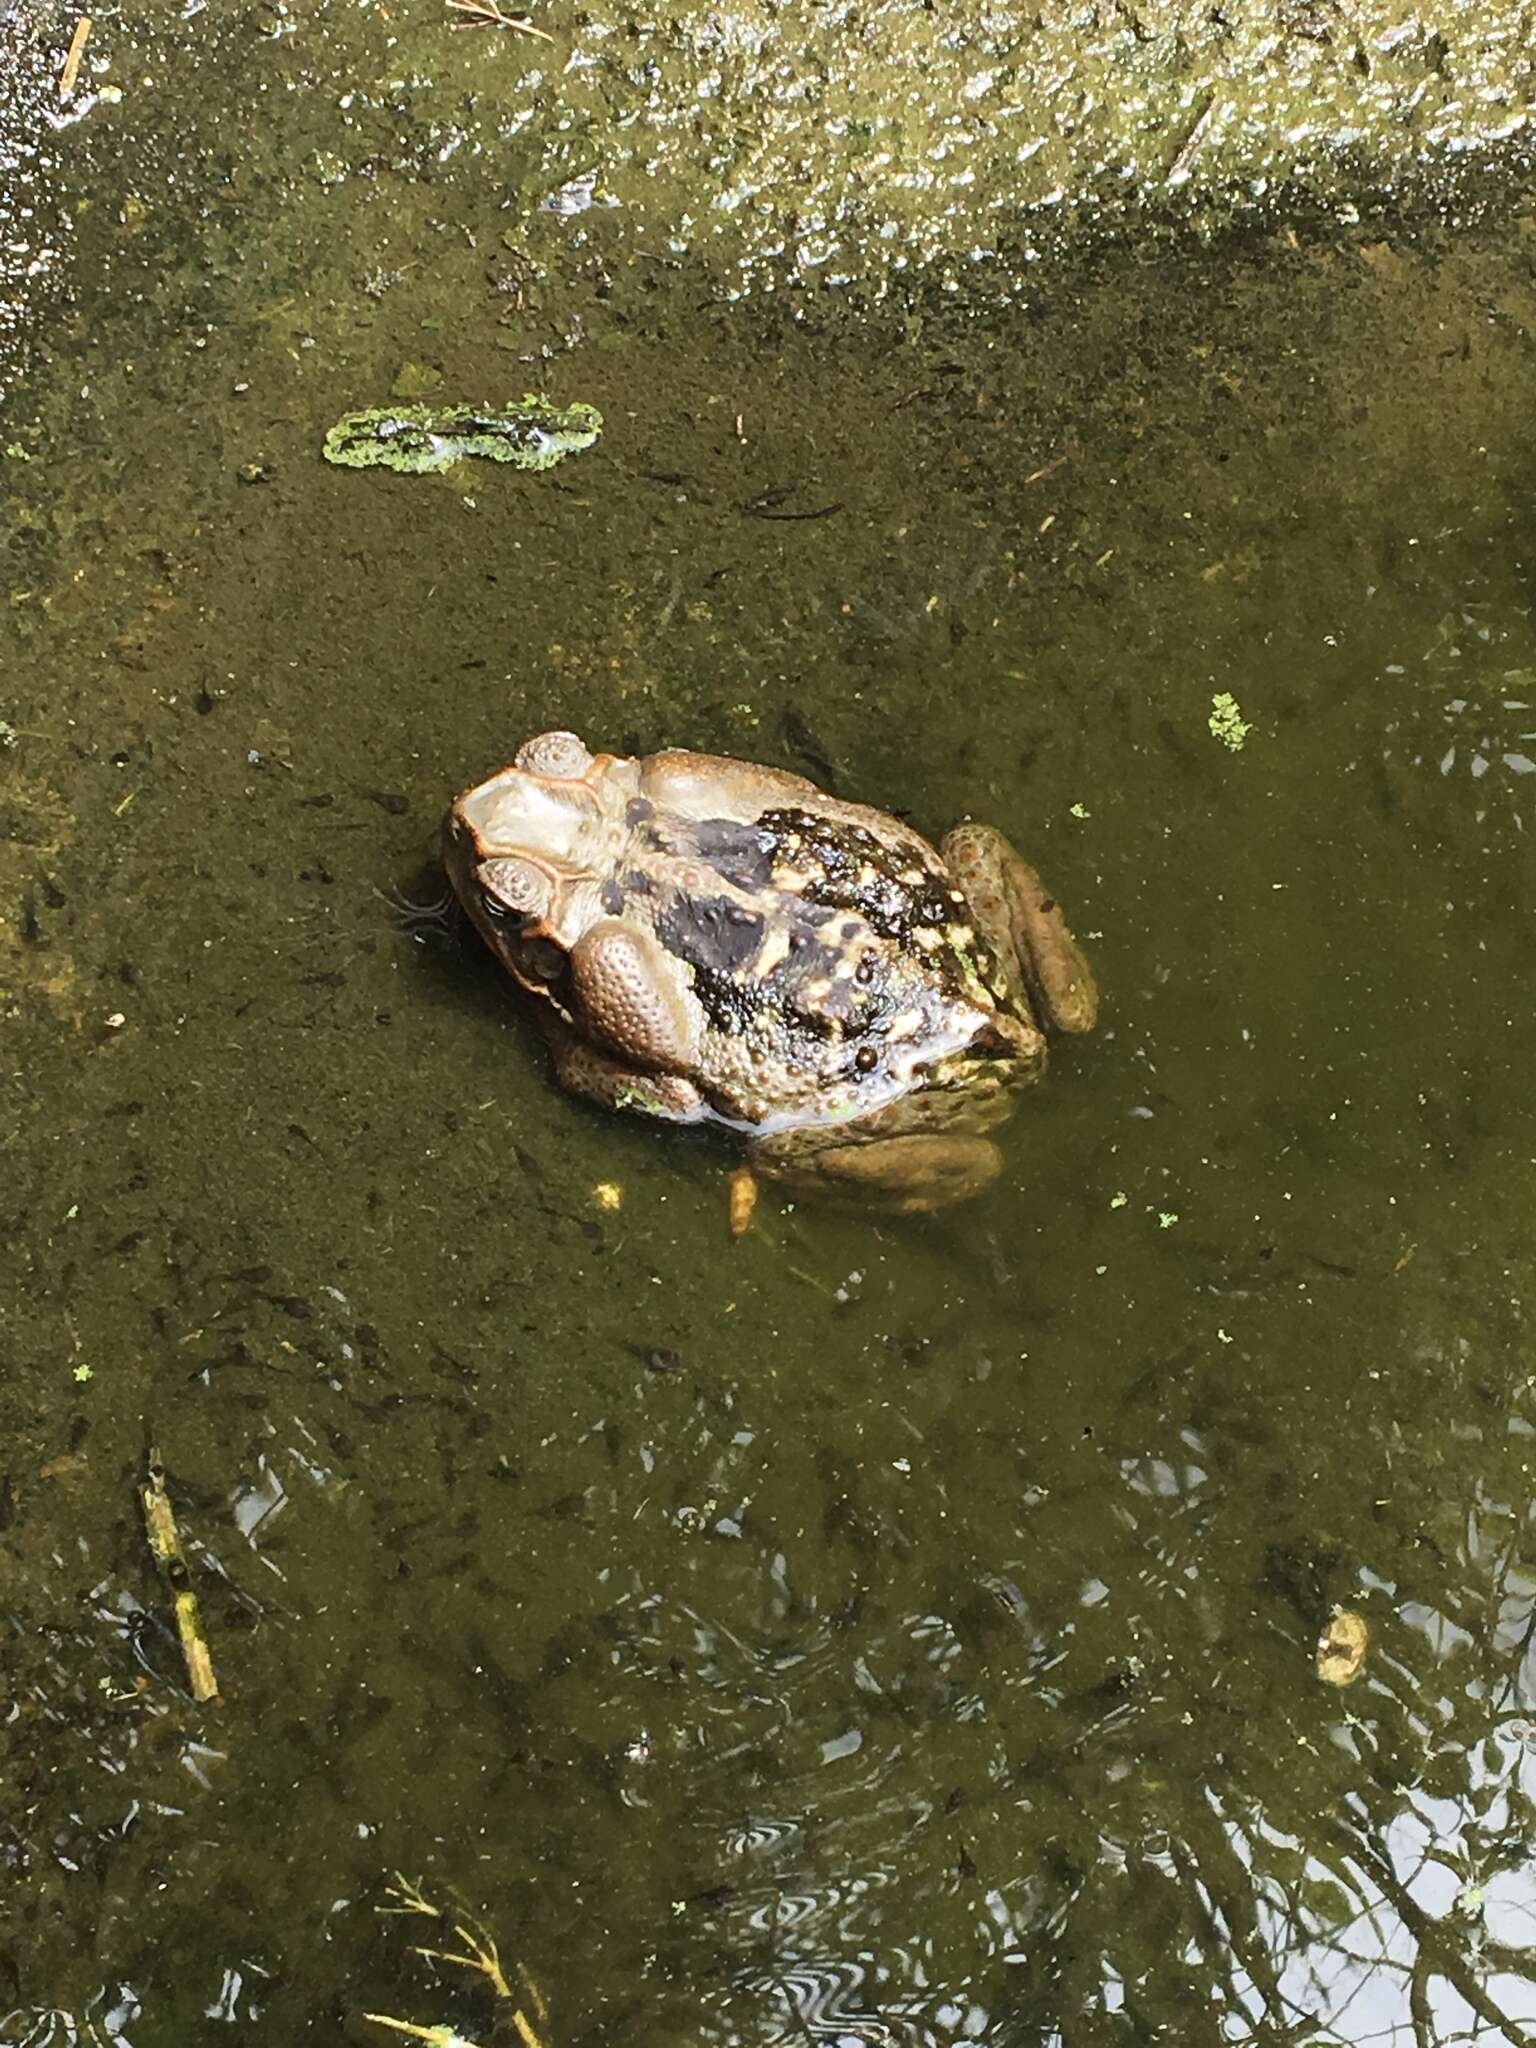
(867,1632)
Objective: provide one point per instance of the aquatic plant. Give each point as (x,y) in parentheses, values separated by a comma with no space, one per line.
(417,439)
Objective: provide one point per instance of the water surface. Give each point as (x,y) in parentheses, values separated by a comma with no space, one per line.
(870,1632)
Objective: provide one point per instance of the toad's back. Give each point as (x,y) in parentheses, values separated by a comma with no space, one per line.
(828,960)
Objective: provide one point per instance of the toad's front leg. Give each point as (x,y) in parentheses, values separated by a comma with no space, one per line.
(597,1076)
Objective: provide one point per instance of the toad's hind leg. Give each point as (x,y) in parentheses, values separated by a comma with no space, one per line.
(905,1173)
(1025,927)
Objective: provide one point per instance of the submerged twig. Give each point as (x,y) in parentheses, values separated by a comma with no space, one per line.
(435,2037)
(486,14)
(408,1898)
(761,511)
(165,1542)
(479,1955)
(77,43)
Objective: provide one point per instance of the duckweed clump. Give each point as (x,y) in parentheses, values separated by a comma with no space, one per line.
(418,439)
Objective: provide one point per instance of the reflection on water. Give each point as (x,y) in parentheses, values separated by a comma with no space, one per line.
(870,1632)
(973,1821)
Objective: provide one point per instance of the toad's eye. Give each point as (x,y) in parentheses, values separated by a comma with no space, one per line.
(554,753)
(514,888)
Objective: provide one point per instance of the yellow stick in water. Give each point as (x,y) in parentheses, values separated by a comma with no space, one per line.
(165,1542)
(77,43)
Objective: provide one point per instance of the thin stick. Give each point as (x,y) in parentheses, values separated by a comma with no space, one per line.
(479,1954)
(165,1542)
(439,2037)
(1184,161)
(540,2002)
(821,512)
(77,45)
(486,14)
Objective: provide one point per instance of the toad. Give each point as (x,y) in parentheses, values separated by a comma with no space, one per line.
(712,941)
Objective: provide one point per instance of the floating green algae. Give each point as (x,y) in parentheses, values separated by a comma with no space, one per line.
(417,439)
(1227,723)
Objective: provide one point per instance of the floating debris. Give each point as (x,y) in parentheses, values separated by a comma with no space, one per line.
(1227,723)
(486,14)
(575,196)
(417,439)
(416,380)
(1183,163)
(743,1200)
(77,43)
(1341,1648)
